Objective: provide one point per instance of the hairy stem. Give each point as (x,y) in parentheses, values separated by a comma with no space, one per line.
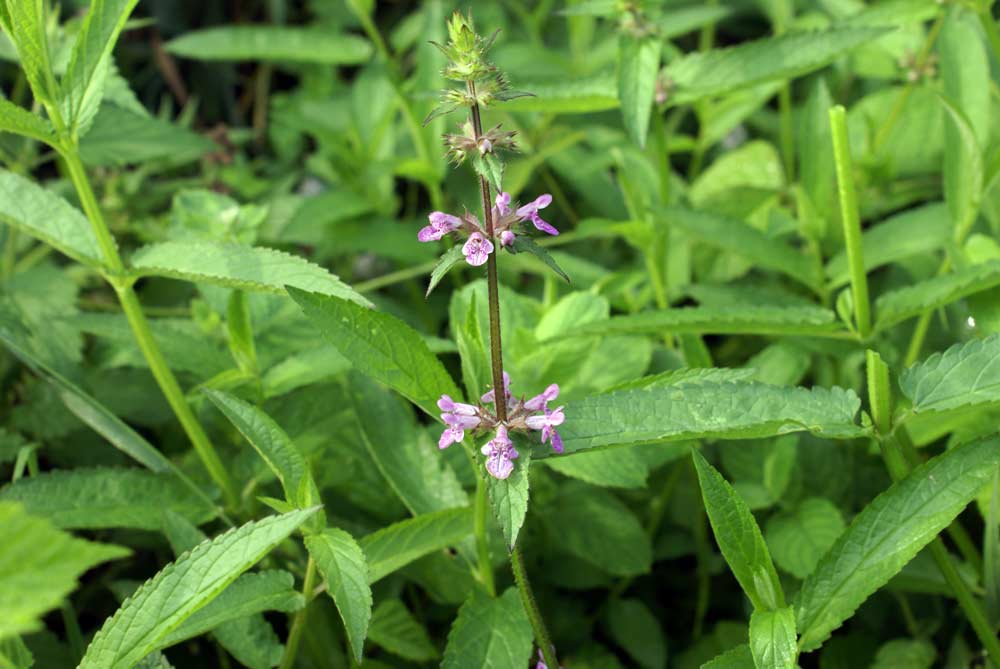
(299,624)
(142,331)
(496,364)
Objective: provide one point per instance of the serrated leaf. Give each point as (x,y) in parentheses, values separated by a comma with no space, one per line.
(98,497)
(638,66)
(913,300)
(962,376)
(772,639)
(182,588)
(83,83)
(509,496)
(737,410)
(120,136)
(490,168)
(764,320)
(39,566)
(401,543)
(620,468)
(735,658)
(248,595)
(22,122)
(48,218)
(238,266)
(268,43)
(739,538)
(527,244)
(888,533)
(395,629)
(701,74)
(25,26)
(489,633)
(572,96)
(743,240)
(799,538)
(380,346)
(342,563)
(450,258)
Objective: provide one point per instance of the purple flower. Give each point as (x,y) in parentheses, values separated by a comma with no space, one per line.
(503,204)
(541,402)
(477,250)
(507,238)
(547,423)
(458,417)
(490,396)
(451,434)
(441,224)
(500,454)
(530,211)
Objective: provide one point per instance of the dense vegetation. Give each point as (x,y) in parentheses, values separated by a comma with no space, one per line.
(258,258)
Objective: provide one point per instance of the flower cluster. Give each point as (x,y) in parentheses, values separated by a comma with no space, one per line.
(466,143)
(522,416)
(507,223)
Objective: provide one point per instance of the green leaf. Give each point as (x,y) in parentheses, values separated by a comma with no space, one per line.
(238,266)
(401,543)
(595,526)
(621,468)
(15,655)
(909,653)
(638,66)
(412,466)
(523,243)
(899,305)
(182,588)
(396,630)
(772,639)
(739,538)
(737,410)
(799,538)
(701,74)
(489,633)
(39,566)
(765,320)
(380,346)
(963,168)
(22,122)
(737,658)
(450,258)
(83,83)
(248,595)
(267,43)
(568,96)
(509,496)
(48,218)
(120,136)
(888,533)
(25,24)
(963,376)
(490,168)
(634,627)
(342,563)
(463,314)
(98,497)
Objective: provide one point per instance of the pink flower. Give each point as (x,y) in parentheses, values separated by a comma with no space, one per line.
(458,417)
(441,224)
(547,423)
(477,250)
(530,211)
(503,204)
(500,454)
(507,238)
(541,402)
(490,395)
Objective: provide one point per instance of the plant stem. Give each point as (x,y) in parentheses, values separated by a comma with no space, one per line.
(496,364)
(482,546)
(531,607)
(298,625)
(141,330)
(850,219)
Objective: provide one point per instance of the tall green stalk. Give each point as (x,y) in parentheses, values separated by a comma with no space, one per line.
(542,637)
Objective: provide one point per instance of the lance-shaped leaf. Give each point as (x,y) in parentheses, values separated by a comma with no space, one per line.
(238,266)
(380,346)
(888,533)
(182,588)
(739,538)
(24,23)
(395,629)
(39,566)
(899,305)
(638,65)
(735,658)
(342,563)
(963,376)
(48,218)
(772,639)
(509,496)
(701,74)
(22,122)
(100,497)
(738,410)
(450,258)
(489,633)
(401,543)
(524,244)
(573,96)
(266,43)
(763,320)
(83,83)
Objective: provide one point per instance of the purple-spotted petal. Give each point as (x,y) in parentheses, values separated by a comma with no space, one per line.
(557,442)
(428,233)
(450,436)
(499,467)
(477,249)
(543,225)
(503,203)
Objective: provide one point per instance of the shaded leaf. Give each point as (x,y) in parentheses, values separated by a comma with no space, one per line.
(399,544)
(342,564)
(269,43)
(489,633)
